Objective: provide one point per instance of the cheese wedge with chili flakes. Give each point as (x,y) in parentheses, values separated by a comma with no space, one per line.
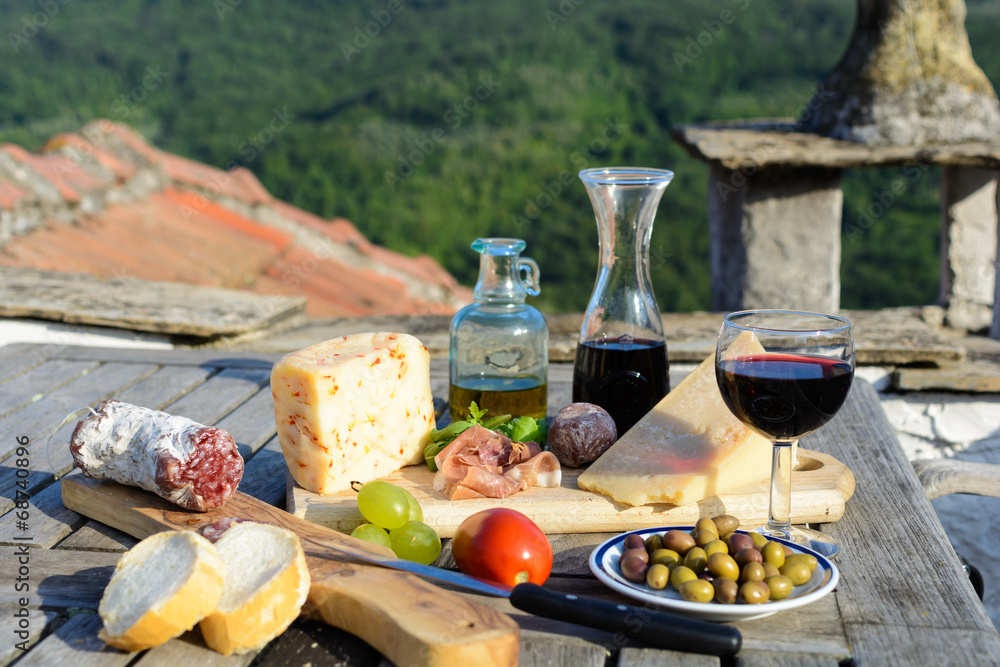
(354,408)
(687,448)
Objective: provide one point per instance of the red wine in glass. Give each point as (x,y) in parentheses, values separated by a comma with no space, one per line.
(784,396)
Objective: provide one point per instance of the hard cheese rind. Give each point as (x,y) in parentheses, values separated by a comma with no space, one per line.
(687,448)
(354,408)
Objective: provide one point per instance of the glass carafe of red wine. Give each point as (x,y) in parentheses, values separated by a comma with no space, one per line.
(621,357)
(499,345)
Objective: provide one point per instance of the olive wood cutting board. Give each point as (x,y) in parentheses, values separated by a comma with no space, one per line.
(407,619)
(821,485)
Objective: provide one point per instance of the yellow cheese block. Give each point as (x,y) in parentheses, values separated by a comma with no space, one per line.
(687,448)
(354,408)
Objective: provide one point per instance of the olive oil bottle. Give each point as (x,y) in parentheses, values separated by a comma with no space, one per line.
(499,345)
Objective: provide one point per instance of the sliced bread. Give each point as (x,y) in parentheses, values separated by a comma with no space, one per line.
(160,588)
(267,582)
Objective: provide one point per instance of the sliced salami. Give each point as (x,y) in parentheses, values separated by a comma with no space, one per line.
(192,465)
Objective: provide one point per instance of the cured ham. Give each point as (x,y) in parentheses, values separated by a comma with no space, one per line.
(481,463)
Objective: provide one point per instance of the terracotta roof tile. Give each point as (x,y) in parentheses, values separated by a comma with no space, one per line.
(189,230)
(11,194)
(67,140)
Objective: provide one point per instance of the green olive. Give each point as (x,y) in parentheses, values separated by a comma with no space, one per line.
(654,542)
(723,565)
(657,576)
(754,592)
(716,546)
(678,541)
(697,590)
(780,586)
(773,553)
(666,557)
(681,574)
(752,572)
(696,559)
(759,540)
(770,571)
(725,524)
(725,590)
(809,560)
(703,537)
(706,524)
(798,572)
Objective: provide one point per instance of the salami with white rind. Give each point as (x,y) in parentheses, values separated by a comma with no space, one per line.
(194,466)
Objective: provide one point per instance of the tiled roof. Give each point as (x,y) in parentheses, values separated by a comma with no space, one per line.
(107,202)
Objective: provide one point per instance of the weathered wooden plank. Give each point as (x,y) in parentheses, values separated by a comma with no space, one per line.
(889,336)
(47,522)
(21,632)
(970,376)
(875,643)
(889,521)
(144,305)
(190,649)
(58,579)
(222,393)
(17,358)
(38,419)
(75,643)
(209,357)
(165,386)
(644,657)
(39,381)
(541,650)
(264,475)
(753,658)
(95,536)
(252,423)
(942,477)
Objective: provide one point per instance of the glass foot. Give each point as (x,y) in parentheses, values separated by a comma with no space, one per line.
(819,542)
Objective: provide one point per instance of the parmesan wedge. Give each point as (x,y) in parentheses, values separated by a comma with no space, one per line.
(687,448)
(354,408)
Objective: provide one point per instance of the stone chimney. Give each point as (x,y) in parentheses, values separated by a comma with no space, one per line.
(907,79)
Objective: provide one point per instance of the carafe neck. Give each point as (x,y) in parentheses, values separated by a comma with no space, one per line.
(504,276)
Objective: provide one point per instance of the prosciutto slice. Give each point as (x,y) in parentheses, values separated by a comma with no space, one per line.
(481,463)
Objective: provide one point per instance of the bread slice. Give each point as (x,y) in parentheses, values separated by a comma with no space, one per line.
(161,588)
(266,584)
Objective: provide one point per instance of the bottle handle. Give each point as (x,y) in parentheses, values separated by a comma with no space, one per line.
(528,269)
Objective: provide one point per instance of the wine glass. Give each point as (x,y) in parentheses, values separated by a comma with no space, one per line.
(784,374)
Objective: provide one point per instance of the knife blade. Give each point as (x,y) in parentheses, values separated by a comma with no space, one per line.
(656,628)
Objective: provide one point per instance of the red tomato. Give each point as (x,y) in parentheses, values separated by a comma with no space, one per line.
(502,545)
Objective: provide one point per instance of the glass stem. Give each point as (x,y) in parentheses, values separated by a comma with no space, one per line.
(780,512)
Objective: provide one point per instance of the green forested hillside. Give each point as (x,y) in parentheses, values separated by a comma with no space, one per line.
(429,123)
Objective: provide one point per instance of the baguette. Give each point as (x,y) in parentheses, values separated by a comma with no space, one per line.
(160,588)
(266,584)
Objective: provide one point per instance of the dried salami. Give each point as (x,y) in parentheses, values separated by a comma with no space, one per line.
(192,465)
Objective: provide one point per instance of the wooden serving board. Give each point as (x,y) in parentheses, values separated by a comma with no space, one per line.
(409,620)
(821,485)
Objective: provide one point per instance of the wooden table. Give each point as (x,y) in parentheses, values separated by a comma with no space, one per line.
(902,598)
